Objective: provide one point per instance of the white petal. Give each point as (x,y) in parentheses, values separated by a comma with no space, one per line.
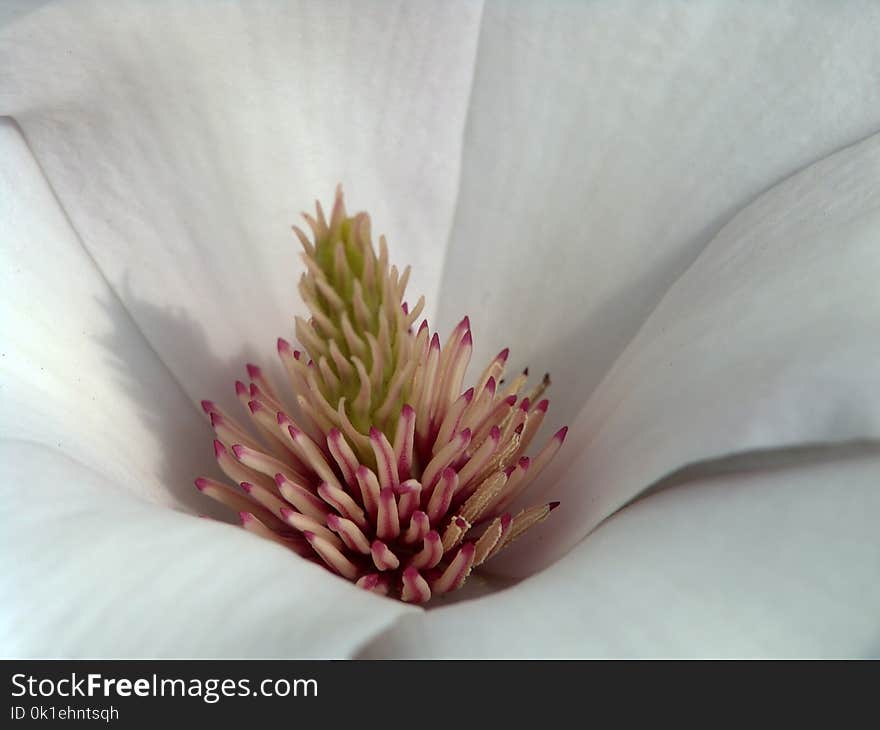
(93,572)
(774,563)
(608,142)
(769,340)
(77,375)
(184,139)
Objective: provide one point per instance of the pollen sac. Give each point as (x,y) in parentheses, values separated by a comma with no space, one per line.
(378,463)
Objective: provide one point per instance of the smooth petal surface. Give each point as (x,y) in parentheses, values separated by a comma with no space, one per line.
(77,375)
(184,138)
(776,563)
(608,142)
(95,572)
(769,340)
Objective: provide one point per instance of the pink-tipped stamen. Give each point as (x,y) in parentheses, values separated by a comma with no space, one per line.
(383,558)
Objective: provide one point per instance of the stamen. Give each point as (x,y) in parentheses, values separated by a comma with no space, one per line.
(441,497)
(302,498)
(419,525)
(304,523)
(403,442)
(431,552)
(264,497)
(350,533)
(383,558)
(408,498)
(374,583)
(457,571)
(237,502)
(415,588)
(343,503)
(388,521)
(332,555)
(369,486)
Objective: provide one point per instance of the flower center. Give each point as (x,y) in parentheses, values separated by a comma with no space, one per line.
(384,470)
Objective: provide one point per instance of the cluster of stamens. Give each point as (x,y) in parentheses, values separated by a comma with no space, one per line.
(384,471)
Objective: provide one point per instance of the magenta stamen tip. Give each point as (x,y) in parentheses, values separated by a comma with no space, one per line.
(468,549)
(215,418)
(465,323)
(506,519)
(201,483)
(255,390)
(219,448)
(510,400)
(280,479)
(525,405)
(469,395)
(405,308)
(245,517)
(508,470)
(333,521)
(468,339)
(495,433)
(308,535)
(252,370)
(407,411)
(254,405)
(519,429)
(293,431)
(503,355)
(246,486)
(491,384)
(423,325)
(285,511)
(435,342)
(465,434)
(208,406)
(524,462)
(562,433)
(361,471)
(553,505)
(461,523)
(283,345)
(296,354)
(411,572)
(334,434)
(281,417)
(240,388)
(375,433)
(543,406)
(238,450)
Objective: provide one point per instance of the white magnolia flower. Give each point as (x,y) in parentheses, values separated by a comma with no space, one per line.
(673,207)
